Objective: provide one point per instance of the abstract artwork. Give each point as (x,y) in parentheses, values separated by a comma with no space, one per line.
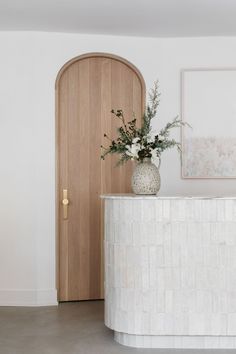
(209,107)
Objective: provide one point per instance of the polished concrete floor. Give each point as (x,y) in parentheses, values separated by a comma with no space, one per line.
(70,328)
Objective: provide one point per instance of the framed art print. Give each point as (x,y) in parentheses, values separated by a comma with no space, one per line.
(209,106)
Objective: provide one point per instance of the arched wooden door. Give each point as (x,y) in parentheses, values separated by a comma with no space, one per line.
(87,88)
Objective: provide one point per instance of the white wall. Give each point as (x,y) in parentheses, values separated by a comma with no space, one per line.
(29,63)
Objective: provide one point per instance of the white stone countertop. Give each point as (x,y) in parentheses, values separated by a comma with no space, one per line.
(135,196)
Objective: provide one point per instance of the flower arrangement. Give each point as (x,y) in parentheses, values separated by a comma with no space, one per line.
(135,143)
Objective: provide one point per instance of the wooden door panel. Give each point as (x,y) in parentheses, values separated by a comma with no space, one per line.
(87,89)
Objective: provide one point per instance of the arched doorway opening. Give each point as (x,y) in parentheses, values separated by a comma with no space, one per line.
(87,88)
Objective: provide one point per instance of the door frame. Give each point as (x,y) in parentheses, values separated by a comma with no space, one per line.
(57,82)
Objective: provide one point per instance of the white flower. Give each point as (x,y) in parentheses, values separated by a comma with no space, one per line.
(154,153)
(161,138)
(150,139)
(135,140)
(132,150)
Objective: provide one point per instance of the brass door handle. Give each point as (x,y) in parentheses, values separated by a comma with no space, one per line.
(65,203)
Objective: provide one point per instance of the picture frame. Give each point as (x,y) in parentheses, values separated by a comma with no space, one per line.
(208,105)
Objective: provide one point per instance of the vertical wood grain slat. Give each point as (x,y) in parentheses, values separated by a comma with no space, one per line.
(106,166)
(127,101)
(83,187)
(63,183)
(117,86)
(95,175)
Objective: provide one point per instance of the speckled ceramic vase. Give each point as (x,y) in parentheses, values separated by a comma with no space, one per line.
(146,177)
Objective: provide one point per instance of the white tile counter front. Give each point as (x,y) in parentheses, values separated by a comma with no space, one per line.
(170,271)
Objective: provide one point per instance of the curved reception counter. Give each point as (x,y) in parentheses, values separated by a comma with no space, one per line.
(170,271)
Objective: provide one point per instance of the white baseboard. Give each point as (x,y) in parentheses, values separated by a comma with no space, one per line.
(28,297)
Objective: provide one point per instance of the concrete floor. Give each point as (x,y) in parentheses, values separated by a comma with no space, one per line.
(70,328)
